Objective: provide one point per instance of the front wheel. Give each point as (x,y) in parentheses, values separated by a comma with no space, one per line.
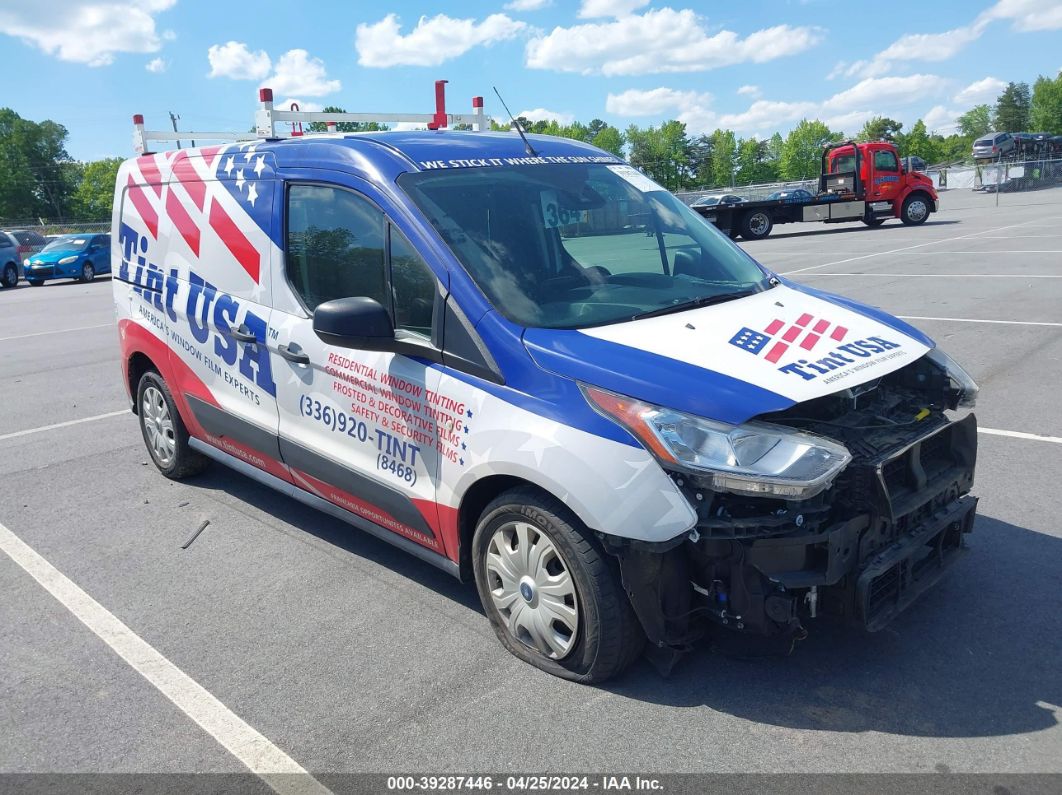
(871,220)
(10,277)
(35,282)
(548,590)
(756,224)
(164,432)
(915,209)
(88,273)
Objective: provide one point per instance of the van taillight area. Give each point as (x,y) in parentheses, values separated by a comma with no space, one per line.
(862,551)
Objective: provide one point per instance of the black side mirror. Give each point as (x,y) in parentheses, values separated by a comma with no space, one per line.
(359,322)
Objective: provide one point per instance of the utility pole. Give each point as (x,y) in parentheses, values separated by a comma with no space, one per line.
(173,120)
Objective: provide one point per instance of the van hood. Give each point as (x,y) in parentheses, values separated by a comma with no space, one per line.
(736,360)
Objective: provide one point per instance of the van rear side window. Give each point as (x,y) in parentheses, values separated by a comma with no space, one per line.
(335,246)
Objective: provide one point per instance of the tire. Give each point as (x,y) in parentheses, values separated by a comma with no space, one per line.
(35,282)
(871,220)
(88,273)
(10,278)
(915,209)
(164,433)
(756,224)
(593,633)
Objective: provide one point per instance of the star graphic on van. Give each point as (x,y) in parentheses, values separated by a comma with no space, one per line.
(252,193)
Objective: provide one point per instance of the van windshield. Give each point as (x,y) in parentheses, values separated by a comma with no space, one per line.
(572,246)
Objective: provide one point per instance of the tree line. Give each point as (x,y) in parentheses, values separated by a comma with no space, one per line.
(39,179)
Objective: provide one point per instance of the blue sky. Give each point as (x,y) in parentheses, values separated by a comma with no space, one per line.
(754,67)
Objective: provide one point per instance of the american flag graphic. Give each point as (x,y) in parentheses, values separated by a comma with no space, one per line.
(803,329)
(225,192)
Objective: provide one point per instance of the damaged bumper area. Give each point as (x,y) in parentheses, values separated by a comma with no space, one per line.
(863,550)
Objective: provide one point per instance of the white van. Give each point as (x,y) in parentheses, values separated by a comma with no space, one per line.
(531,366)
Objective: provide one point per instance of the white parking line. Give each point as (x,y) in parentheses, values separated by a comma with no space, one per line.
(904,248)
(1020,435)
(66,424)
(260,756)
(57,331)
(978,320)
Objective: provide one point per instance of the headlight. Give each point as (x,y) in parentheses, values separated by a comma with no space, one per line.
(25,263)
(960,379)
(67,260)
(756,458)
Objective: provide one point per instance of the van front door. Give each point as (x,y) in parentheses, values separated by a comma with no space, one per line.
(357,427)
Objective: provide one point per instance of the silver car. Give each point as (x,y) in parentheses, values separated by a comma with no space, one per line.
(993,145)
(10,261)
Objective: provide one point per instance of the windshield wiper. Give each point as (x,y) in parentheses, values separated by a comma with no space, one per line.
(696,303)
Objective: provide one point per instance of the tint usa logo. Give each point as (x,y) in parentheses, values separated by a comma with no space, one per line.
(806,335)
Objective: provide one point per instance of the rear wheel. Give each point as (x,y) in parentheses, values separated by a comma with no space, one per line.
(756,224)
(88,273)
(10,276)
(164,432)
(549,591)
(915,209)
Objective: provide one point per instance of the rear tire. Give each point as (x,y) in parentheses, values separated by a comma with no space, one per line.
(550,592)
(915,209)
(164,432)
(10,276)
(756,224)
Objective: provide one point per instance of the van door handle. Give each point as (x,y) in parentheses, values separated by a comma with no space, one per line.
(243,334)
(295,357)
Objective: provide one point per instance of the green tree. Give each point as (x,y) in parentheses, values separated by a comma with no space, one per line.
(1045,112)
(724,157)
(976,121)
(608,138)
(95,191)
(345,126)
(36,173)
(1012,108)
(662,153)
(802,151)
(880,128)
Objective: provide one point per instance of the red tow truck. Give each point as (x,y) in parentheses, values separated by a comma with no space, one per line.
(857,182)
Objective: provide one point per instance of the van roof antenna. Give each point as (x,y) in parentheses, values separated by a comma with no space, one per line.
(516,124)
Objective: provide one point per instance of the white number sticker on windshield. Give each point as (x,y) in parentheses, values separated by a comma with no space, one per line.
(554,215)
(635,178)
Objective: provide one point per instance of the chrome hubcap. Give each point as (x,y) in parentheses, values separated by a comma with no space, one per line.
(158,426)
(758,223)
(532,589)
(917,210)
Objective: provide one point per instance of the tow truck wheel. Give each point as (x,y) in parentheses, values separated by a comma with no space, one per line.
(915,209)
(10,276)
(164,432)
(756,225)
(550,592)
(870,220)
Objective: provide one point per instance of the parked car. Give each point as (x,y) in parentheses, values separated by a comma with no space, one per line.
(10,261)
(79,257)
(29,242)
(993,145)
(618,442)
(797,194)
(723,198)
(914,163)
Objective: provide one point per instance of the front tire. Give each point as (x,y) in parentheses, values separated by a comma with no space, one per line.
(915,209)
(164,433)
(10,276)
(35,282)
(552,596)
(756,224)
(88,273)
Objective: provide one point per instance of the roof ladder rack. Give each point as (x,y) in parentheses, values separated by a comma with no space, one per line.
(267,119)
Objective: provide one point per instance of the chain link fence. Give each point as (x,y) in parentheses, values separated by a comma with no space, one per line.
(47,228)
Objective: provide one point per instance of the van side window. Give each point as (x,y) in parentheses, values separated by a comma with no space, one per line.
(335,246)
(413,284)
(885,161)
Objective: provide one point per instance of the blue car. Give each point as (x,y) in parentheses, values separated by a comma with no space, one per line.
(78,257)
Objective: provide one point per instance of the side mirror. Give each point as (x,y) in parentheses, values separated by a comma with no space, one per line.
(359,322)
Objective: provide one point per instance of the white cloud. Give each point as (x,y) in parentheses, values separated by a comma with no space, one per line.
(851,121)
(527,5)
(295,72)
(750,91)
(764,113)
(591,9)
(885,91)
(235,60)
(1028,15)
(156,65)
(544,114)
(660,40)
(980,91)
(310,107)
(941,119)
(433,41)
(636,102)
(91,33)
